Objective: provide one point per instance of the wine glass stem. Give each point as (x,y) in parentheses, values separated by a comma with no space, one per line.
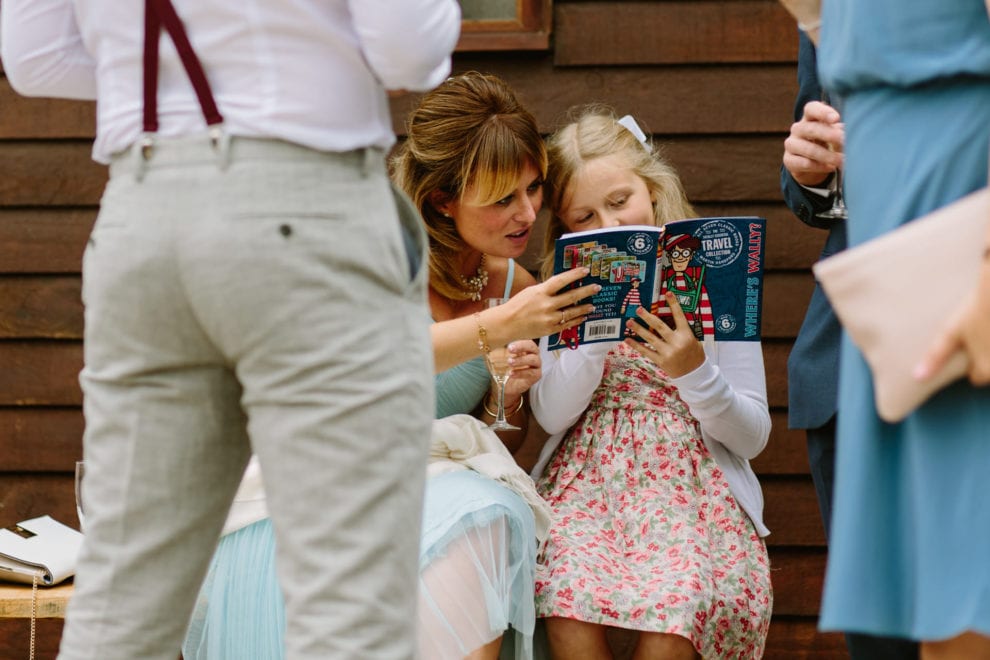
(500,417)
(839,204)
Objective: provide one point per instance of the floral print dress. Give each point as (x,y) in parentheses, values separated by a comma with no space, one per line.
(647,534)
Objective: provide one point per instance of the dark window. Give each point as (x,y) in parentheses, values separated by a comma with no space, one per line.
(505,25)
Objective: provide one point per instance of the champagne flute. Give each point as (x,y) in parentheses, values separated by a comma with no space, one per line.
(497,361)
(80,473)
(838,209)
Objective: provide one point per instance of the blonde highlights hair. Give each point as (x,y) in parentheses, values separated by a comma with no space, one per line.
(471,130)
(595,132)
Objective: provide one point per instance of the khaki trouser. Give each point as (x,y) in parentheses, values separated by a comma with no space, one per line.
(260,297)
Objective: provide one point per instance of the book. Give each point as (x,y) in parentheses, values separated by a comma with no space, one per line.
(713,265)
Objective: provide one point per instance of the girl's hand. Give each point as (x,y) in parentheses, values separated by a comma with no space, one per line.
(524,356)
(676,351)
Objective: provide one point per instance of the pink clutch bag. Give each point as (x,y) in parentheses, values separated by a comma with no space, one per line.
(893,294)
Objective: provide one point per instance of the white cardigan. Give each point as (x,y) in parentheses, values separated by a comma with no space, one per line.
(727,394)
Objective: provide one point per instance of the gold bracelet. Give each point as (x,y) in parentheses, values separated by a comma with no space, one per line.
(482,336)
(494,413)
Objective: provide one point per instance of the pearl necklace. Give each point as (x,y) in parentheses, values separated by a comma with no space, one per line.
(474,285)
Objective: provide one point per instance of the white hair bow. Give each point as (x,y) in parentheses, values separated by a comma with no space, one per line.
(630,125)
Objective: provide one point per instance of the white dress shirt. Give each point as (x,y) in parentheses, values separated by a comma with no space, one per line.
(313,72)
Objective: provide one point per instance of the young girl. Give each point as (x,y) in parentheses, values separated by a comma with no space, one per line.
(657,513)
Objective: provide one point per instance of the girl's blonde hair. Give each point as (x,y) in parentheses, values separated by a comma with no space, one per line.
(595,132)
(469,130)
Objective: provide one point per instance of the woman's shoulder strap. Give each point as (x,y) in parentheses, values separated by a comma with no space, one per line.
(510,274)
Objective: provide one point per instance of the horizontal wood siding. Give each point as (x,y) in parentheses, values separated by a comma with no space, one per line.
(700,31)
(43,240)
(715,168)
(26,118)
(712,80)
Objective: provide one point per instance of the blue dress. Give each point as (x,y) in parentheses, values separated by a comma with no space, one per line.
(909,554)
(477,564)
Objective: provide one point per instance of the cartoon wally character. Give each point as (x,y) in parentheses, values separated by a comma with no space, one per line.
(630,304)
(688,284)
(569,336)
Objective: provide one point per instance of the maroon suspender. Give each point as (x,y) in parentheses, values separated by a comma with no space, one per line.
(158,14)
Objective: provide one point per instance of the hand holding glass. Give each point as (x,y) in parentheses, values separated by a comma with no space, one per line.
(838,209)
(497,361)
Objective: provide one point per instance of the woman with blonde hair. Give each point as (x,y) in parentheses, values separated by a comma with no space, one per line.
(595,132)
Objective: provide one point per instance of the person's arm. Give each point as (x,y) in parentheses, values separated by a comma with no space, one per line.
(808,164)
(42,50)
(727,394)
(723,383)
(570,378)
(808,14)
(407,44)
(533,312)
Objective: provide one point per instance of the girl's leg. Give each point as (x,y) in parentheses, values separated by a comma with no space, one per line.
(967,646)
(577,640)
(487,652)
(657,646)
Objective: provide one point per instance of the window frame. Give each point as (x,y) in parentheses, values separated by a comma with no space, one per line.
(529,29)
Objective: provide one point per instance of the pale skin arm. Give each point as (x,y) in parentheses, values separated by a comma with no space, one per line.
(968,330)
(726,394)
(533,312)
(808,14)
(806,150)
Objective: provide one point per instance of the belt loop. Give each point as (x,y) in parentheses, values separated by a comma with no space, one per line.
(368,166)
(143,150)
(220,140)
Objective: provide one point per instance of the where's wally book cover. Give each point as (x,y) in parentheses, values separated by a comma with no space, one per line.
(713,265)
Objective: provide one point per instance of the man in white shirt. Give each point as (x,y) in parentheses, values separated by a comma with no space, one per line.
(252,283)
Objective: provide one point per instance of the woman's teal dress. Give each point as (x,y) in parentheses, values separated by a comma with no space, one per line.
(477,563)
(909,553)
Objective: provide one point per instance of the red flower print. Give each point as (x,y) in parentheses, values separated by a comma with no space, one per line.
(673,552)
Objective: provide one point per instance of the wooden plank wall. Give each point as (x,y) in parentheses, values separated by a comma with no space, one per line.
(713,80)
